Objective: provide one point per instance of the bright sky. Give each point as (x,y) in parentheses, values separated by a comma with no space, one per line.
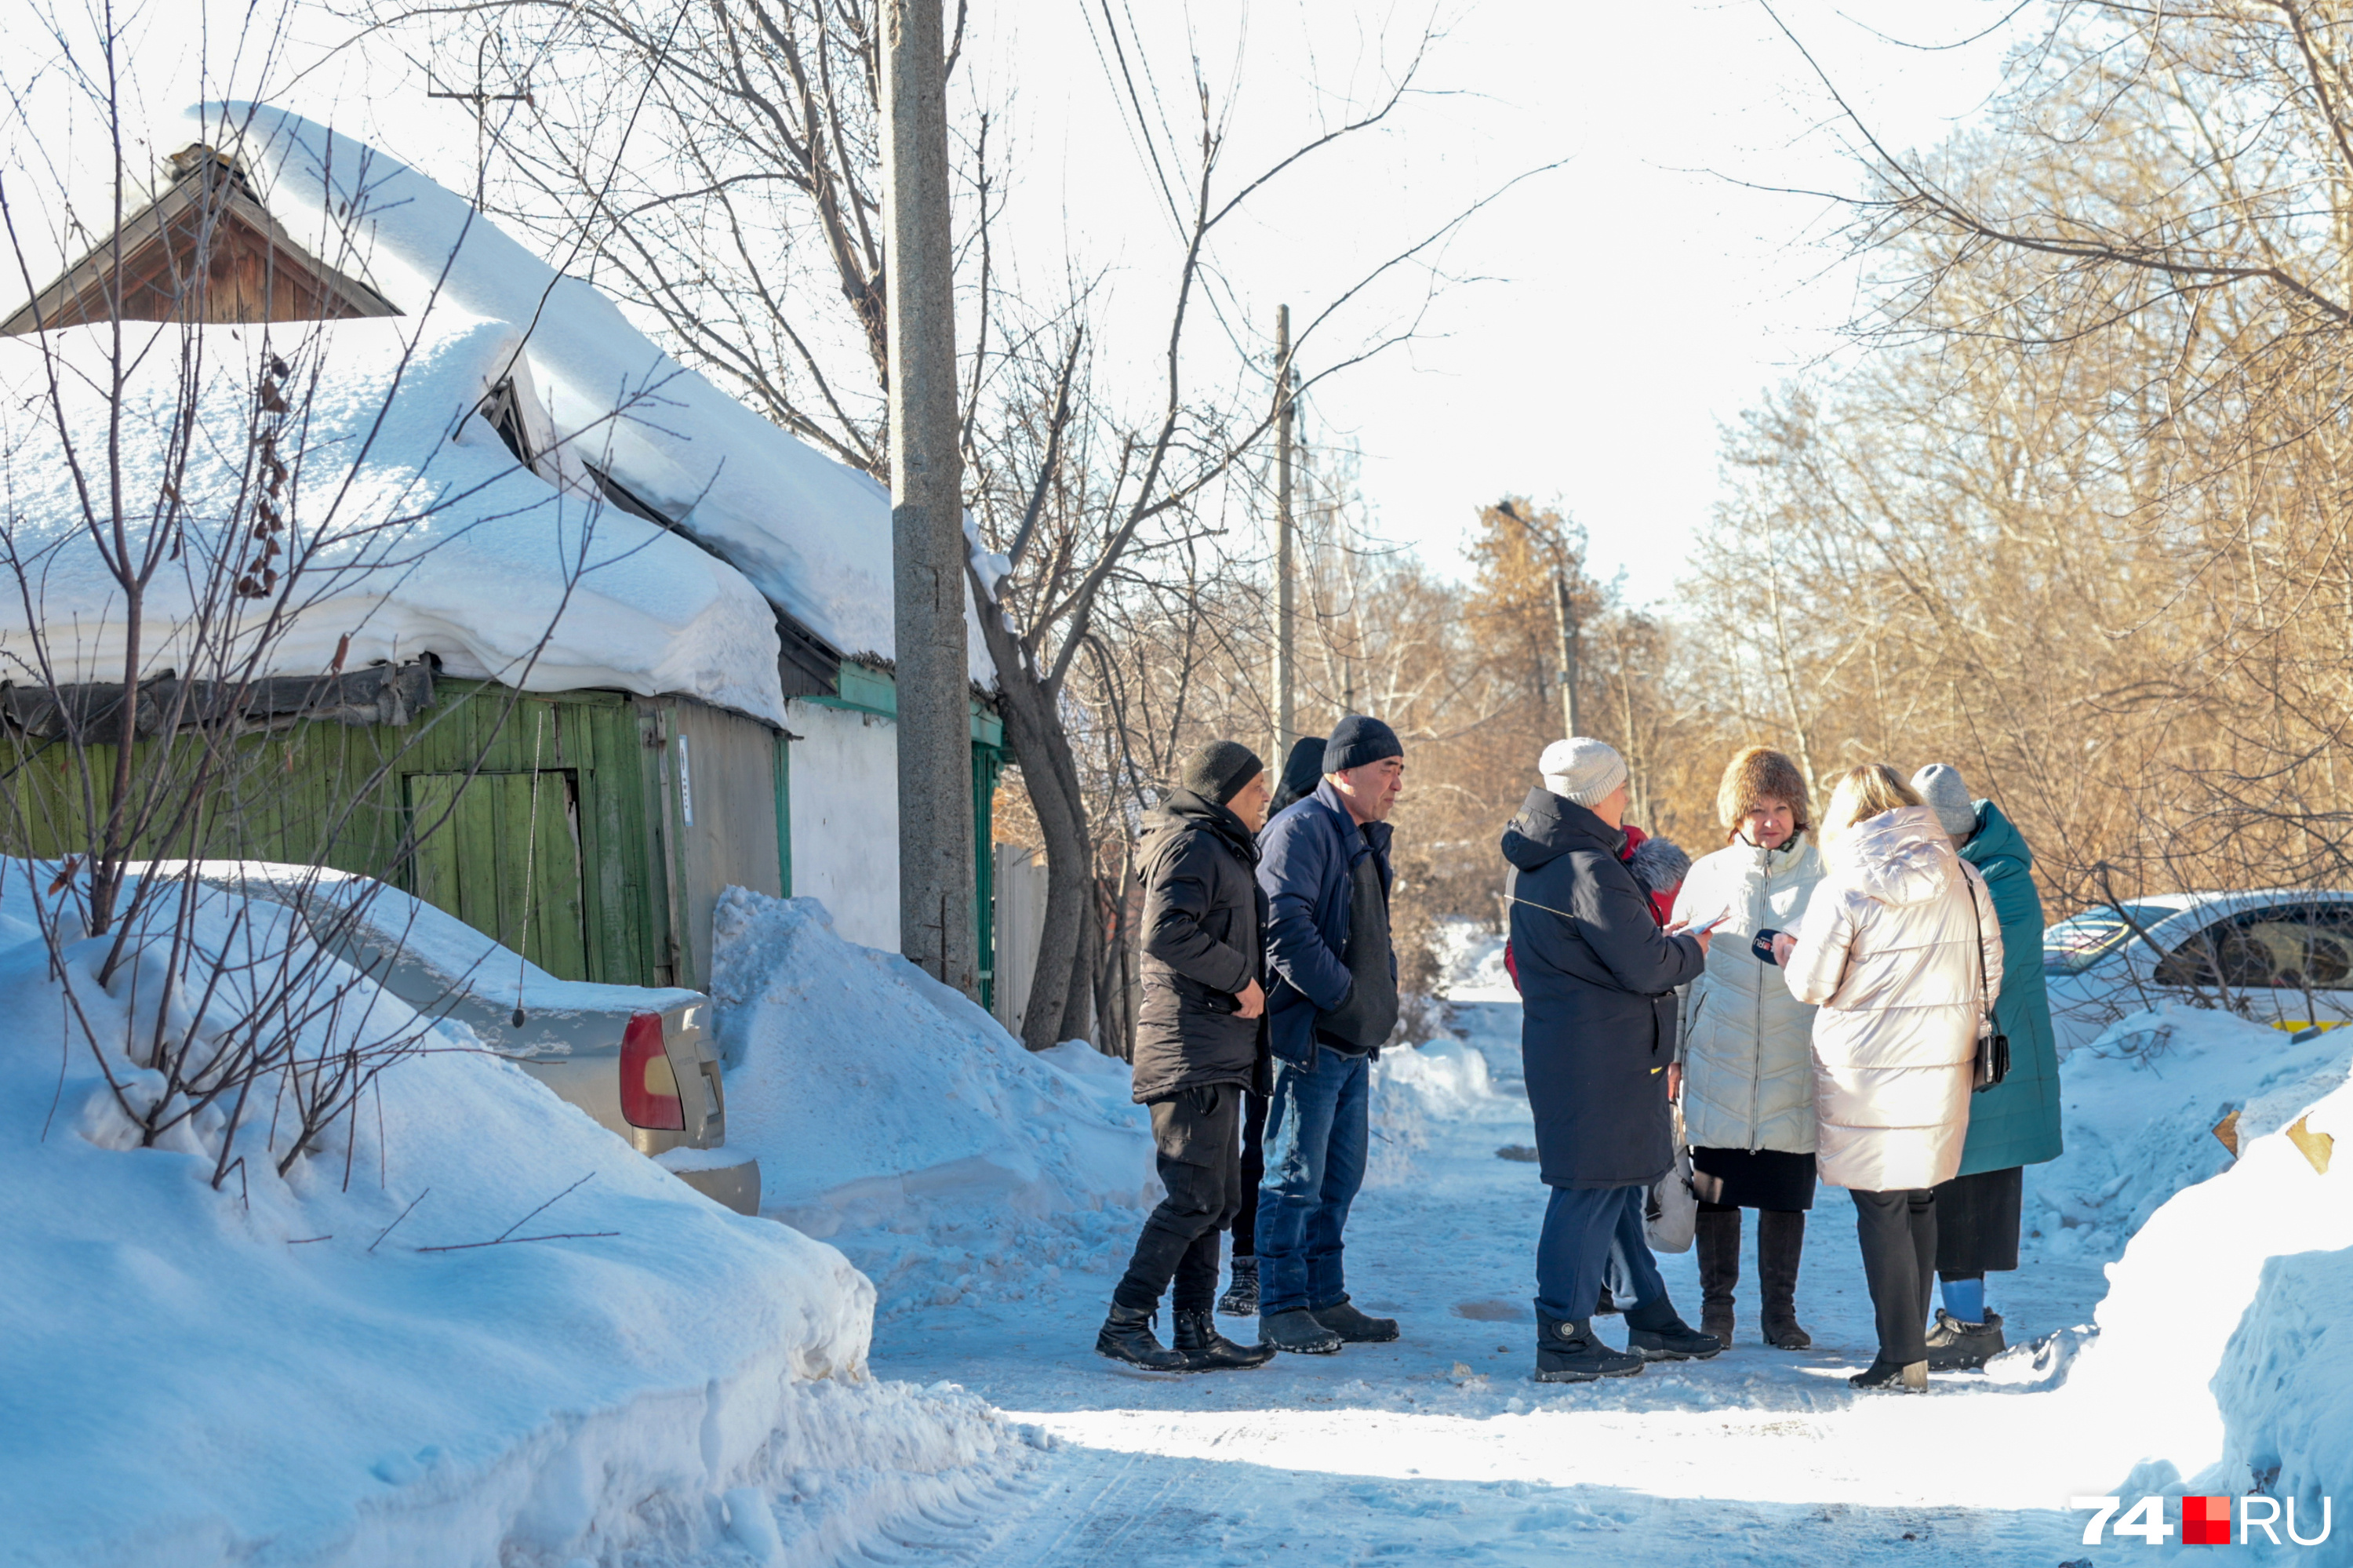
(1635,298)
(1608,315)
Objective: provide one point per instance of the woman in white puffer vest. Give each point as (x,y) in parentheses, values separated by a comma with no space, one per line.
(1901,951)
(1746,1044)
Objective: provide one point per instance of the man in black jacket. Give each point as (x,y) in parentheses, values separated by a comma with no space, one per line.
(1598,1039)
(1197,1050)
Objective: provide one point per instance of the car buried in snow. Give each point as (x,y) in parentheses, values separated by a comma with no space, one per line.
(2278,956)
(639,1060)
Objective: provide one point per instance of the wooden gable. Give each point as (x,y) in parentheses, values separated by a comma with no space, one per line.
(203,251)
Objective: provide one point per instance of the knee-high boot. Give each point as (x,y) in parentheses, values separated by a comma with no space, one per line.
(1718,1239)
(1780,1238)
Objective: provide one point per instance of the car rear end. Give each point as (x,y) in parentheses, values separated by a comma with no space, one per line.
(658,1084)
(640,1060)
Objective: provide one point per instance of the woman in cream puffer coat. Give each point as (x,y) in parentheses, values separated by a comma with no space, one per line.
(1901,950)
(1747,1057)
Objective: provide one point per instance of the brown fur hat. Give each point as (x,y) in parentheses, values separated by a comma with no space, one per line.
(1756,772)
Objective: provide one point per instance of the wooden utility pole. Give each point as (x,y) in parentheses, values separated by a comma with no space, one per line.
(927,543)
(1285,612)
(1565,617)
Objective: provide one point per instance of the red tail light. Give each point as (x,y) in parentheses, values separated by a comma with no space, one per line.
(649,1086)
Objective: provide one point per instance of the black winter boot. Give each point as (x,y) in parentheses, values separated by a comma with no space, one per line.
(1298,1332)
(1898,1377)
(1718,1240)
(1956,1346)
(1206,1350)
(1353,1326)
(1241,1299)
(1568,1351)
(1780,1241)
(1608,1306)
(1127,1336)
(1656,1332)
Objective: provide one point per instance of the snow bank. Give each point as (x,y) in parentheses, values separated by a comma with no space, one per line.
(1471,962)
(2138,1105)
(277,1371)
(1447,1077)
(417,531)
(812,534)
(1420,1091)
(2221,1350)
(895,1119)
(2285,1386)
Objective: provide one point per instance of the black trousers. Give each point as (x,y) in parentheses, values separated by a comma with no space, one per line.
(1253,1173)
(1197,1133)
(1977,1222)
(1898,1232)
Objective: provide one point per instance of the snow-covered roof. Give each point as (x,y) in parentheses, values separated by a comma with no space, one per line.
(811,534)
(418,531)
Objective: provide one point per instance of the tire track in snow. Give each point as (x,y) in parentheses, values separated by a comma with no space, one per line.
(1108,1505)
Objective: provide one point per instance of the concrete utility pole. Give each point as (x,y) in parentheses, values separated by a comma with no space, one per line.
(1285,612)
(935,829)
(1565,617)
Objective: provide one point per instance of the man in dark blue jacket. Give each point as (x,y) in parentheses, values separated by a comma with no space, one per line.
(1325,865)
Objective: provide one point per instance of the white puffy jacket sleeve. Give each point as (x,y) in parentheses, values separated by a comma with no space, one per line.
(1819,961)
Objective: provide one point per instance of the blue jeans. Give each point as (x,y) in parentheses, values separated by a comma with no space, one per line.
(1316,1137)
(1589,1232)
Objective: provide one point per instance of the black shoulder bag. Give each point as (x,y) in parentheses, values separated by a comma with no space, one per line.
(1993,1045)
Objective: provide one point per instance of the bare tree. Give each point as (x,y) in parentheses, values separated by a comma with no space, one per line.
(2076,520)
(751,238)
(191,485)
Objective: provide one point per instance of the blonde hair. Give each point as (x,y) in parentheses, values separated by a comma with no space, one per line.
(1862,792)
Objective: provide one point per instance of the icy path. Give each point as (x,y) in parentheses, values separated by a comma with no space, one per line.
(1438,1449)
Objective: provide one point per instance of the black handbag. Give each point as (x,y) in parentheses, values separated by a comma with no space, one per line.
(1993,1045)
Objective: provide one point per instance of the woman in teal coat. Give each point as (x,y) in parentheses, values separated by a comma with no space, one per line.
(2014,1123)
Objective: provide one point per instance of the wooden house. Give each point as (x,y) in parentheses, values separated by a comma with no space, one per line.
(204,249)
(597,801)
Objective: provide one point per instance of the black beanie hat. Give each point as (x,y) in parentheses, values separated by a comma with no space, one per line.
(1217,771)
(1301,771)
(1357,740)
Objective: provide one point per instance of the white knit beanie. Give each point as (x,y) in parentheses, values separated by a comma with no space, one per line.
(1942,789)
(1581,770)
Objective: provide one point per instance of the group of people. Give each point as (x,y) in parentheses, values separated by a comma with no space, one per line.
(1817,1000)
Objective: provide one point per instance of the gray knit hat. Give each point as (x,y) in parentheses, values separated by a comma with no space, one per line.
(1944,791)
(1218,771)
(1581,770)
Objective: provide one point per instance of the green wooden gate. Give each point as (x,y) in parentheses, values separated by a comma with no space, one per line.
(505,859)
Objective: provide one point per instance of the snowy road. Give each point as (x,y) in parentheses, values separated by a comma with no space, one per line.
(1438,1449)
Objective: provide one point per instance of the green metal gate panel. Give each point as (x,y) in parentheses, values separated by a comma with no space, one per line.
(505,859)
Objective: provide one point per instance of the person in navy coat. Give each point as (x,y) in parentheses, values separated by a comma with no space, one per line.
(1331,1004)
(1597,977)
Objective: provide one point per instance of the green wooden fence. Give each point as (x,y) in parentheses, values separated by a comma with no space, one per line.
(550,847)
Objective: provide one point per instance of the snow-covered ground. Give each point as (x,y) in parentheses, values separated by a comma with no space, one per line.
(469,1327)
(900,1122)
(239,1377)
(1438,1449)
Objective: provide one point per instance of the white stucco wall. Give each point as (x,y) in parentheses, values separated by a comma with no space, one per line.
(845,816)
